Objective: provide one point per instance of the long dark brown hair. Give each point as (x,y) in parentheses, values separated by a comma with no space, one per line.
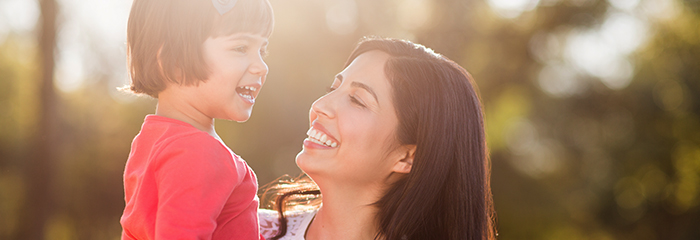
(447,194)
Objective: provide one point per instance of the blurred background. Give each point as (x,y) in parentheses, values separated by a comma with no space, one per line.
(592,107)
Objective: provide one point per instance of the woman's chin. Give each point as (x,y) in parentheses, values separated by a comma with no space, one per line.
(306,163)
(302,160)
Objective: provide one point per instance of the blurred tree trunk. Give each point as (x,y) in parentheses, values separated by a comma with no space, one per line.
(40,161)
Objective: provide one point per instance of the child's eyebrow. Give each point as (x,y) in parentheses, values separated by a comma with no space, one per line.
(248,38)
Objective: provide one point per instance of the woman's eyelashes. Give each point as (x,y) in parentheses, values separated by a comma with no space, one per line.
(353,99)
(357,101)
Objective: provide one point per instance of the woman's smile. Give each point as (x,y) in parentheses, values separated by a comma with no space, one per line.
(321,138)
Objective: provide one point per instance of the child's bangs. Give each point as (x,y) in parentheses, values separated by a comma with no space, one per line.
(250,16)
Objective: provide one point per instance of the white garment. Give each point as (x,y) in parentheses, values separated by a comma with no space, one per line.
(297,222)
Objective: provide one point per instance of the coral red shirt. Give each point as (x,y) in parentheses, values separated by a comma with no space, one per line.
(182,183)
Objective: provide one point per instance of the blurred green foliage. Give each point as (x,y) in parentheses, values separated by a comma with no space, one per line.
(585,159)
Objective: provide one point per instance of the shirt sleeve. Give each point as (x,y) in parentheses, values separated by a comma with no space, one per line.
(269,223)
(195,177)
(297,222)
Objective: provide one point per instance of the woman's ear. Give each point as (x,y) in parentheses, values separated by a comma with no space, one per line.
(404,164)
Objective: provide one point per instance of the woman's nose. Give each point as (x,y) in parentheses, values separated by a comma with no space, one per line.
(323,107)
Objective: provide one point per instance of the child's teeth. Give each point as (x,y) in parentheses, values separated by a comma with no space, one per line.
(250,88)
(247,96)
(323,138)
(328,142)
(334,144)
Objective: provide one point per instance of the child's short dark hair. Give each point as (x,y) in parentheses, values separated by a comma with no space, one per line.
(165,37)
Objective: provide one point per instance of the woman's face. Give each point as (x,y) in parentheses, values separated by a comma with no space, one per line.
(352,133)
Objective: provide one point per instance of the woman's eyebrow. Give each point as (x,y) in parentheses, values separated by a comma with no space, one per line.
(365,87)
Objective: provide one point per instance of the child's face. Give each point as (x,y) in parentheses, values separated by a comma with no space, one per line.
(236,74)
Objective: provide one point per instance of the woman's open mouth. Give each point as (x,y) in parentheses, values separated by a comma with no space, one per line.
(321,138)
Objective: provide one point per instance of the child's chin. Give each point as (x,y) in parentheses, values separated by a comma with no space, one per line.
(241,119)
(239,115)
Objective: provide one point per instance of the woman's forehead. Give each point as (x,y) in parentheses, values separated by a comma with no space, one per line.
(366,65)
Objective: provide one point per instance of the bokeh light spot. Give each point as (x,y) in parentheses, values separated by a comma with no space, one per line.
(512,8)
(629,193)
(668,95)
(341,16)
(18,15)
(414,14)
(559,80)
(627,5)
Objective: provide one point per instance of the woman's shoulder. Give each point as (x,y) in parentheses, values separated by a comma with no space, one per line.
(297,222)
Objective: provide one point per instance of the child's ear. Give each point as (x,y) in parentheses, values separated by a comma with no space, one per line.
(177,74)
(404,165)
(160,62)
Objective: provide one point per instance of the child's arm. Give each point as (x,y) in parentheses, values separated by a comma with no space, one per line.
(195,178)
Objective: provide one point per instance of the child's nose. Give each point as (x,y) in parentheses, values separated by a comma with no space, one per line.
(259,67)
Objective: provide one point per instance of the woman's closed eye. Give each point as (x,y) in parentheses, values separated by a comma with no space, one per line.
(357,101)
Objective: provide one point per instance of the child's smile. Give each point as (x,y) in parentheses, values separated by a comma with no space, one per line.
(248,93)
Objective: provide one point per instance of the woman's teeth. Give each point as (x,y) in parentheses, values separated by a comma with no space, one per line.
(319,137)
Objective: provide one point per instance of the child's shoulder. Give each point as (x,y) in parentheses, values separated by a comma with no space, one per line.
(172,133)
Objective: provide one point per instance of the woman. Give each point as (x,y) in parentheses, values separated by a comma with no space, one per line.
(397,150)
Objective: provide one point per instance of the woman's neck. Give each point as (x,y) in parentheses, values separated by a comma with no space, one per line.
(345,215)
(174,104)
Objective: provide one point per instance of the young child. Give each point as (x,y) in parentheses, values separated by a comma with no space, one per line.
(202,59)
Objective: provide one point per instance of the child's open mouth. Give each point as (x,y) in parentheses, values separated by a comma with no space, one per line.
(247,92)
